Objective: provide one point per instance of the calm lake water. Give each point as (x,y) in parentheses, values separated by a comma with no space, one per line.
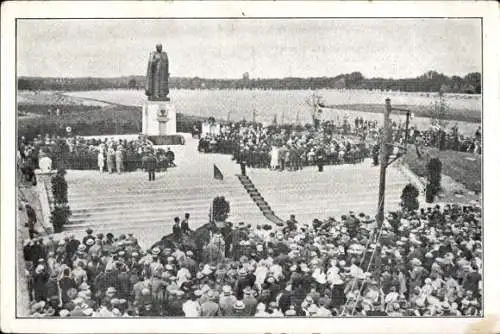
(288,106)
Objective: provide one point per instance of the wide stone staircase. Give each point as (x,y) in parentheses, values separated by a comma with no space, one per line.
(309,194)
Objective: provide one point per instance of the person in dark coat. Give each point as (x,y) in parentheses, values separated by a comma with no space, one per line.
(37,251)
(40,278)
(87,237)
(185,224)
(72,246)
(30,212)
(176,229)
(149,163)
(174,306)
(65,283)
(285,300)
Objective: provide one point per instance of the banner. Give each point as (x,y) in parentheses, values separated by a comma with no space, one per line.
(217,173)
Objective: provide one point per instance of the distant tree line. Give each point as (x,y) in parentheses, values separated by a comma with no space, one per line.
(431,81)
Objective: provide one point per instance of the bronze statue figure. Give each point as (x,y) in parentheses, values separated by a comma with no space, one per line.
(157,76)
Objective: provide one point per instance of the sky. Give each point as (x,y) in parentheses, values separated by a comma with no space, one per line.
(265,48)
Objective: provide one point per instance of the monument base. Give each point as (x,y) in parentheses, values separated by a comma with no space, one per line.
(44,191)
(159,118)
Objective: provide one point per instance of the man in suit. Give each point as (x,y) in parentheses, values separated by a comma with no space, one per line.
(149,163)
(285,299)
(185,224)
(176,229)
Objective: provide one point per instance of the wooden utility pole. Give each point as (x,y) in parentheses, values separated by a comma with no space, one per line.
(383,163)
(406,129)
(384,159)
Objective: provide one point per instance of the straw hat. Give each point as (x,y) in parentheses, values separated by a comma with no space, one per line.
(88,312)
(239,305)
(63,313)
(226,289)
(110,291)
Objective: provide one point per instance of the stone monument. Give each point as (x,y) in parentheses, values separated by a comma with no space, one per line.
(44,187)
(158,112)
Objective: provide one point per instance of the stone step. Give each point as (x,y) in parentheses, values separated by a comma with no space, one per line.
(135,189)
(320,186)
(333,199)
(196,220)
(173,211)
(92,202)
(309,214)
(328,203)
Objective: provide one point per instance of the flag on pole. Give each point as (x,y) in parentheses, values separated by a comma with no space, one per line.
(217,173)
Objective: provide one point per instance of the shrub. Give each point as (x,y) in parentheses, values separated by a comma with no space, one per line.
(60,187)
(220,209)
(409,197)
(60,216)
(61,211)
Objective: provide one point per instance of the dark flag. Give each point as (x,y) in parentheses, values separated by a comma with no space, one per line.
(217,173)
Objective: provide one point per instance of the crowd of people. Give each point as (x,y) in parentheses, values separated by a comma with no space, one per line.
(421,263)
(106,155)
(286,147)
(452,139)
(283,147)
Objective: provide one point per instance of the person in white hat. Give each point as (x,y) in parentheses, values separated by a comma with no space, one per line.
(238,309)
(79,274)
(64,313)
(191,307)
(261,311)
(227,300)
(249,301)
(210,308)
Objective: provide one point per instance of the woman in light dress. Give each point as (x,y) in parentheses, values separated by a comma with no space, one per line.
(110,160)
(275,158)
(100,161)
(119,159)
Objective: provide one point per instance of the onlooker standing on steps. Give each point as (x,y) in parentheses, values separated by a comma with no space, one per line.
(185,224)
(30,212)
(100,161)
(110,156)
(119,159)
(176,229)
(149,164)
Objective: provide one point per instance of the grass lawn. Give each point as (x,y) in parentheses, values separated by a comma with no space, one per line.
(462,167)
(463,115)
(89,120)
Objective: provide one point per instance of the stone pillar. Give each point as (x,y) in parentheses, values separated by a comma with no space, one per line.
(159,118)
(44,191)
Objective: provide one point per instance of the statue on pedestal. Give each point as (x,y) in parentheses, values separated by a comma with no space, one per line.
(157,76)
